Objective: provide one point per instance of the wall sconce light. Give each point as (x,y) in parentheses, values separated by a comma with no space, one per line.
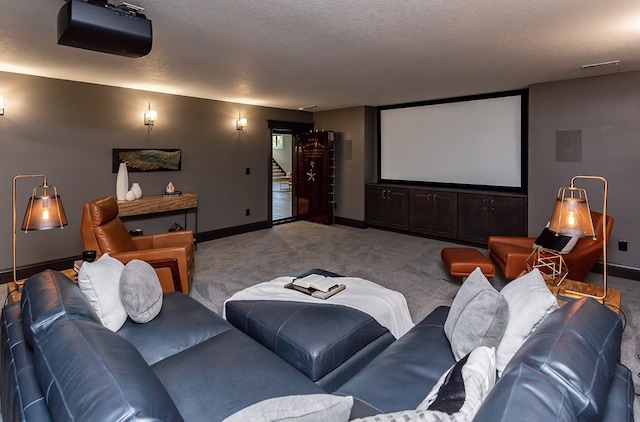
(241,123)
(150,118)
(1,105)
(43,211)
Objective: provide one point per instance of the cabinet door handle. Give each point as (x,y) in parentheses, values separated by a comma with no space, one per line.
(389,194)
(435,199)
(493,205)
(428,198)
(484,204)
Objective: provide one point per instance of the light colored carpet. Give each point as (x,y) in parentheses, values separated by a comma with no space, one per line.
(408,264)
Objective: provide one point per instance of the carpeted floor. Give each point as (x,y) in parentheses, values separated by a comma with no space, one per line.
(408,264)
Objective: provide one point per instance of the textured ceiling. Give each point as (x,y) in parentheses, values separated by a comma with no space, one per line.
(335,54)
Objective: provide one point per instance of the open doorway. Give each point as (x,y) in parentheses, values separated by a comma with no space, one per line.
(282,140)
(281,176)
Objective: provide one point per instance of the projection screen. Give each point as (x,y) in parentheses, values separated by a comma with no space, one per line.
(479,142)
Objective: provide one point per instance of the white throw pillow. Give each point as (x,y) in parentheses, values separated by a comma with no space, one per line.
(100,282)
(412,416)
(530,301)
(458,394)
(303,408)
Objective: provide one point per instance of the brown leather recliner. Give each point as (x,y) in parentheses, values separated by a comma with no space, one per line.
(510,253)
(171,254)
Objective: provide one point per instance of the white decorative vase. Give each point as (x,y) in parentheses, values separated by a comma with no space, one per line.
(137,190)
(130,196)
(122,182)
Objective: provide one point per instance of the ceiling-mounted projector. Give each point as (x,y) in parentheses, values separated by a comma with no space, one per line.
(100,26)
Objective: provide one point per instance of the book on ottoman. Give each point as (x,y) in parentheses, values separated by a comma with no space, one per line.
(316,285)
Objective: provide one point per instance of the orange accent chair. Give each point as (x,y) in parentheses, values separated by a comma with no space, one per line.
(171,254)
(510,253)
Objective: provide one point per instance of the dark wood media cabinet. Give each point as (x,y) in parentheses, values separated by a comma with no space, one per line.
(467,216)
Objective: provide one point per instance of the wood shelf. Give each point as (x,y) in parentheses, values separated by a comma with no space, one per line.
(161,204)
(157,204)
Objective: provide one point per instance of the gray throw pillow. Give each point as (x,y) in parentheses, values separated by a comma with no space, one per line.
(140,291)
(478,316)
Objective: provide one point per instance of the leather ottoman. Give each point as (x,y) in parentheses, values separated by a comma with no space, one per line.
(328,343)
(462,261)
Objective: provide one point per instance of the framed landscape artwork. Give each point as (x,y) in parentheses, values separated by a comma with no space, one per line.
(139,160)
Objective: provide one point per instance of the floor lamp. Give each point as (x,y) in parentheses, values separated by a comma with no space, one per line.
(572,217)
(43,211)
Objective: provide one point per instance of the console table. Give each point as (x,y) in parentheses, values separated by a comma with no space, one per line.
(160,204)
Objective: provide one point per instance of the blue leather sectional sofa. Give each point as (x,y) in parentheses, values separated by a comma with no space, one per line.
(59,363)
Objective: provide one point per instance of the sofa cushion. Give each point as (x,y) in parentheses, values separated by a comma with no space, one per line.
(100,282)
(525,391)
(578,347)
(140,291)
(182,323)
(90,373)
(232,368)
(621,396)
(457,395)
(299,408)
(530,301)
(404,373)
(49,296)
(478,316)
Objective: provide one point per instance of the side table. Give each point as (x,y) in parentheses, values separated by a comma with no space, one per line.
(14,293)
(612,301)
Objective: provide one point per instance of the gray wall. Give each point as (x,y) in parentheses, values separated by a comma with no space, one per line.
(606,109)
(353,139)
(67,130)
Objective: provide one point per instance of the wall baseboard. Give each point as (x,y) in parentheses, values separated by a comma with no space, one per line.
(231,231)
(618,271)
(29,270)
(359,224)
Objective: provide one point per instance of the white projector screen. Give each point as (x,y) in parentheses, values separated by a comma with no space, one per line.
(475,142)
